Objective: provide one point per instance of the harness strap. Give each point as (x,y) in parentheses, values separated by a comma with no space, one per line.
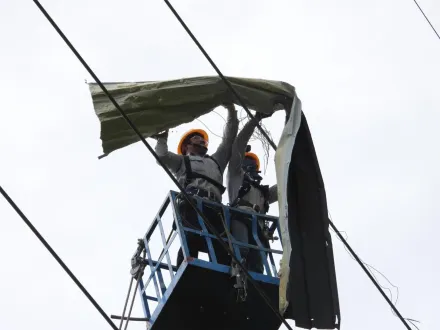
(245,188)
(190,175)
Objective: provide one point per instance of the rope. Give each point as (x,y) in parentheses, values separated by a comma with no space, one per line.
(126,302)
(159,161)
(134,296)
(57,258)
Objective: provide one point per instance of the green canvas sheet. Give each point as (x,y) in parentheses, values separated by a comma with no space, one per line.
(160,105)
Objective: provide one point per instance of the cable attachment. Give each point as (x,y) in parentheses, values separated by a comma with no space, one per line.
(240,281)
(138,263)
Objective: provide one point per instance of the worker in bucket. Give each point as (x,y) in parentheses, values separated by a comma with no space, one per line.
(246,192)
(200,175)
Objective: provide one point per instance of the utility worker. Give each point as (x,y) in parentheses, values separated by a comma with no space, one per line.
(201,175)
(246,192)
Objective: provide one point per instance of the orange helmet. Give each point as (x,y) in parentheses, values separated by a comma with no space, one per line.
(191,132)
(254,157)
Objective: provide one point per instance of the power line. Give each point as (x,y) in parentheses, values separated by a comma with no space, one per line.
(274,147)
(226,81)
(180,187)
(427,19)
(371,268)
(359,261)
(57,258)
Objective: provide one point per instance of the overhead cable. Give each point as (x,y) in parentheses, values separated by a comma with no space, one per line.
(226,81)
(427,19)
(57,258)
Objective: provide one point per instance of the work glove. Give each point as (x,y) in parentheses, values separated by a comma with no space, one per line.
(163,134)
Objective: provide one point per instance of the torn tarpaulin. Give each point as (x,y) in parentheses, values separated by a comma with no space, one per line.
(308,289)
(159,105)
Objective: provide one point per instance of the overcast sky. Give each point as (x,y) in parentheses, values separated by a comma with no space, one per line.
(368,78)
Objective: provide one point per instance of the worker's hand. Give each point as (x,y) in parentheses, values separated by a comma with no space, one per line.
(163,134)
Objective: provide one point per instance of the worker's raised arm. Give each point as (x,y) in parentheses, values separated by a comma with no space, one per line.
(223,152)
(273,194)
(171,160)
(239,145)
(235,172)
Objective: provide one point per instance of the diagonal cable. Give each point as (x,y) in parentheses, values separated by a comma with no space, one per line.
(226,81)
(57,258)
(427,19)
(187,197)
(394,308)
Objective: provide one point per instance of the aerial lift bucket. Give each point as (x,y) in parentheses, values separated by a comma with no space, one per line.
(204,294)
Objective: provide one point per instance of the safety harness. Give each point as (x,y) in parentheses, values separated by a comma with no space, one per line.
(190,175)
(252,179)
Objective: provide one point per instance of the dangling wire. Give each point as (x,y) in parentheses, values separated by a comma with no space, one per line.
(208,128)
(264,143)
(219,115)
(372,270)
(257,136)
(412,322)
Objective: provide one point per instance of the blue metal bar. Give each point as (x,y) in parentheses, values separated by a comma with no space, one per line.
(208,239)
(257,239)
(158,263)
(164,244)
(272,261)
(209,202)
(161,282)
(179,226)
(167,294)
(236,242)
(144,300)
(152,269)
(151,298)
(163,265)
(159,214)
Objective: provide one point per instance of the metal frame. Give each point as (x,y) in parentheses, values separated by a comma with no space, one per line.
(156,266)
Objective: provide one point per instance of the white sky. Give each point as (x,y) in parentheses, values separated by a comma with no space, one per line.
(367,75)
